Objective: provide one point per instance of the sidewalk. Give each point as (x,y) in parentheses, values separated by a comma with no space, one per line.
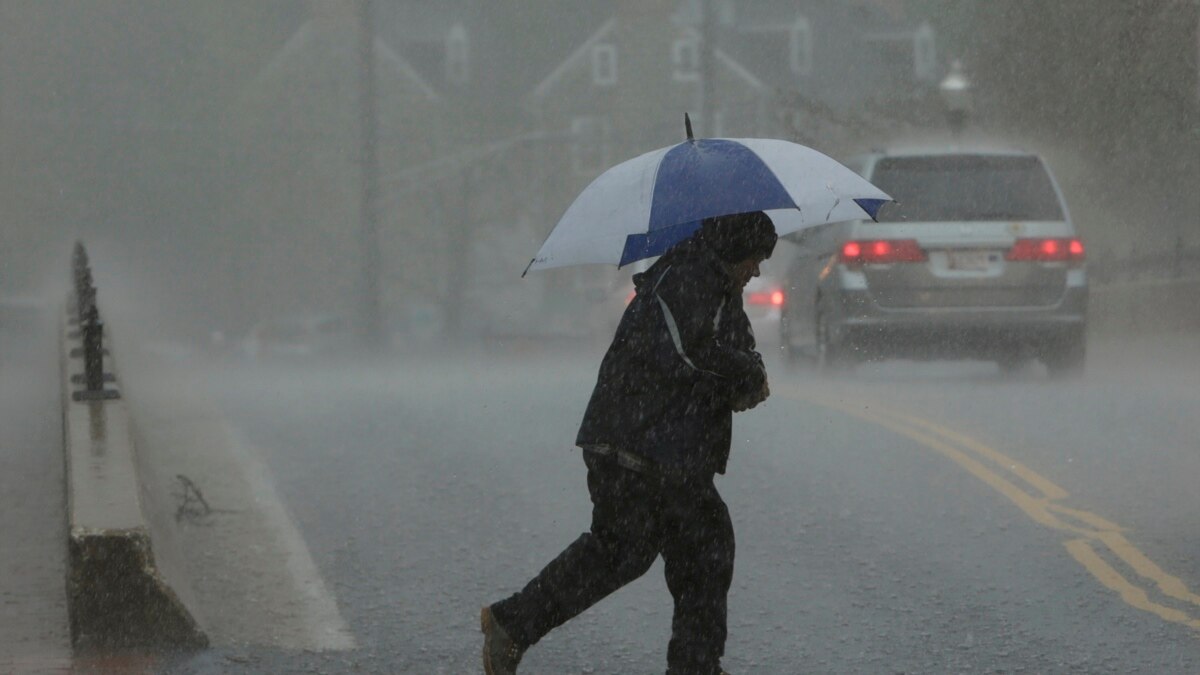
(34,634)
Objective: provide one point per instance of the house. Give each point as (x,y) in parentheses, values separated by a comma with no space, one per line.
(811,71)
(838,69)
(294,140)
(493,116)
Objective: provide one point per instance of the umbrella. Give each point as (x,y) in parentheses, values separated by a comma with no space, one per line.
(643,206)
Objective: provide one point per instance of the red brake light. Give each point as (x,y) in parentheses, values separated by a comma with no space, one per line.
(882,251)
(1046,250)
(774,298)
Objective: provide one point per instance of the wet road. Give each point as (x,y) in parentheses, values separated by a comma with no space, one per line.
(908,518)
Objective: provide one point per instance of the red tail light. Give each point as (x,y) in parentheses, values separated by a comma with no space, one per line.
(774,298)
(882,251)
(1047,250)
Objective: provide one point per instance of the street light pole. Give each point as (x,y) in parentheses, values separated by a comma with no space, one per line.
(372,323)
(956,93)
(707,50)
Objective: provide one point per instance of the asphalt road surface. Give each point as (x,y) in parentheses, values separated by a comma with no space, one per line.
(906,518)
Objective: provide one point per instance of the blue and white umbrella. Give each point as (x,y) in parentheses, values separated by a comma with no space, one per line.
(641,207)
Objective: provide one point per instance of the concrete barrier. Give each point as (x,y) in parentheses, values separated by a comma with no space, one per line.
(117,595)
(1143,307)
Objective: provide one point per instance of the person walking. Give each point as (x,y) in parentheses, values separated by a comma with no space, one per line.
(655,432)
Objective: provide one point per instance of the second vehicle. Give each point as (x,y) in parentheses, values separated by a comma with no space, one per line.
(976,259)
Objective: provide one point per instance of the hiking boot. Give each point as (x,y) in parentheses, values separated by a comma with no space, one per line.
(500,654)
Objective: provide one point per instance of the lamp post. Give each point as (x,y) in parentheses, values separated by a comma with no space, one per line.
(372,322)
(956,94)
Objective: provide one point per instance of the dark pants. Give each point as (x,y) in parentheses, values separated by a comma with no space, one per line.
(635,518)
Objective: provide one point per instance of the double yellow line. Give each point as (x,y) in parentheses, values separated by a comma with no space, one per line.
(1040,499)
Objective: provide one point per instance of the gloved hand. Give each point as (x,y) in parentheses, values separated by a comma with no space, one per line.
(755,396)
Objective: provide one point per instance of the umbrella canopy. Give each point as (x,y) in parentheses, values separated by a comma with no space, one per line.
(643,206)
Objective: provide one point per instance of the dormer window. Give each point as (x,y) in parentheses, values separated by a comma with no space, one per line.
(458,55)
(925,53)
(604,65)
(800,45)
(685,55)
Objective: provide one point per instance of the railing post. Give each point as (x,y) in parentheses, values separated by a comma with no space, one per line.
(93,351)
(84,312)
(86,303)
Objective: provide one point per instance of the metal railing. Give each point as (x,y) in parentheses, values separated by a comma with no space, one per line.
(85,315)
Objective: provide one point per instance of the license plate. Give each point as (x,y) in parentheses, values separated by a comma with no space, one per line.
(968,261)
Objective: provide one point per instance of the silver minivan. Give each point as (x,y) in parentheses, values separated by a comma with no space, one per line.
(976,259)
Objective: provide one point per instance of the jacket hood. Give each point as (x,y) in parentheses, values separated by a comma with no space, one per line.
(693,250)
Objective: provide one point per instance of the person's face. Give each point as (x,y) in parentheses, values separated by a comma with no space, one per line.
(746,270)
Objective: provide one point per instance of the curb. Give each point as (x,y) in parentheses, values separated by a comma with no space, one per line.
(117,597)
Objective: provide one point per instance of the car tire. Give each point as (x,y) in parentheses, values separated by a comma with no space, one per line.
(1011,365)
(1066,361)
(793,356)
(830,357)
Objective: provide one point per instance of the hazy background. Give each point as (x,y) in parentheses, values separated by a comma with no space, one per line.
(211,154)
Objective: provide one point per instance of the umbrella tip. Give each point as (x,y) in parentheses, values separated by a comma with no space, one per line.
(687,124)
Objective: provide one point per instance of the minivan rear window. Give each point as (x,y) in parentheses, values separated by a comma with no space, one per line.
(966,187)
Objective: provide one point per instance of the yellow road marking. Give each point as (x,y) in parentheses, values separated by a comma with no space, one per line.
(1087,517)
(1047,488)
(1041,508)
(1169,585)
(1082,551)
(1034,507)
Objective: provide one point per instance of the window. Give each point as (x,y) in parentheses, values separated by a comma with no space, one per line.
(925,53)
(800,46)
(589,146)
(685,55)
(604,65)
(458,55)
(966,187)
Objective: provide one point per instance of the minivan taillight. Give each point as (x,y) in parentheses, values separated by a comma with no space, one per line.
(1053,249)
(882,252)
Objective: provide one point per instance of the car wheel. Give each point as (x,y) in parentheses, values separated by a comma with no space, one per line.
(1011,365)
(793,356)
(830,357)
(1066,361)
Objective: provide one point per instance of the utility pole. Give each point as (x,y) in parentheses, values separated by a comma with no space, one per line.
(372,323)
(707,50)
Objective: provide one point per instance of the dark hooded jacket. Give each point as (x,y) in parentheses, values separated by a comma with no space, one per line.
(683,353)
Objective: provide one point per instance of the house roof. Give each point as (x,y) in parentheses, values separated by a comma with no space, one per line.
(578,56)
(325,42)
(605,31)
(519,52)
(512,45)
(849,66)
